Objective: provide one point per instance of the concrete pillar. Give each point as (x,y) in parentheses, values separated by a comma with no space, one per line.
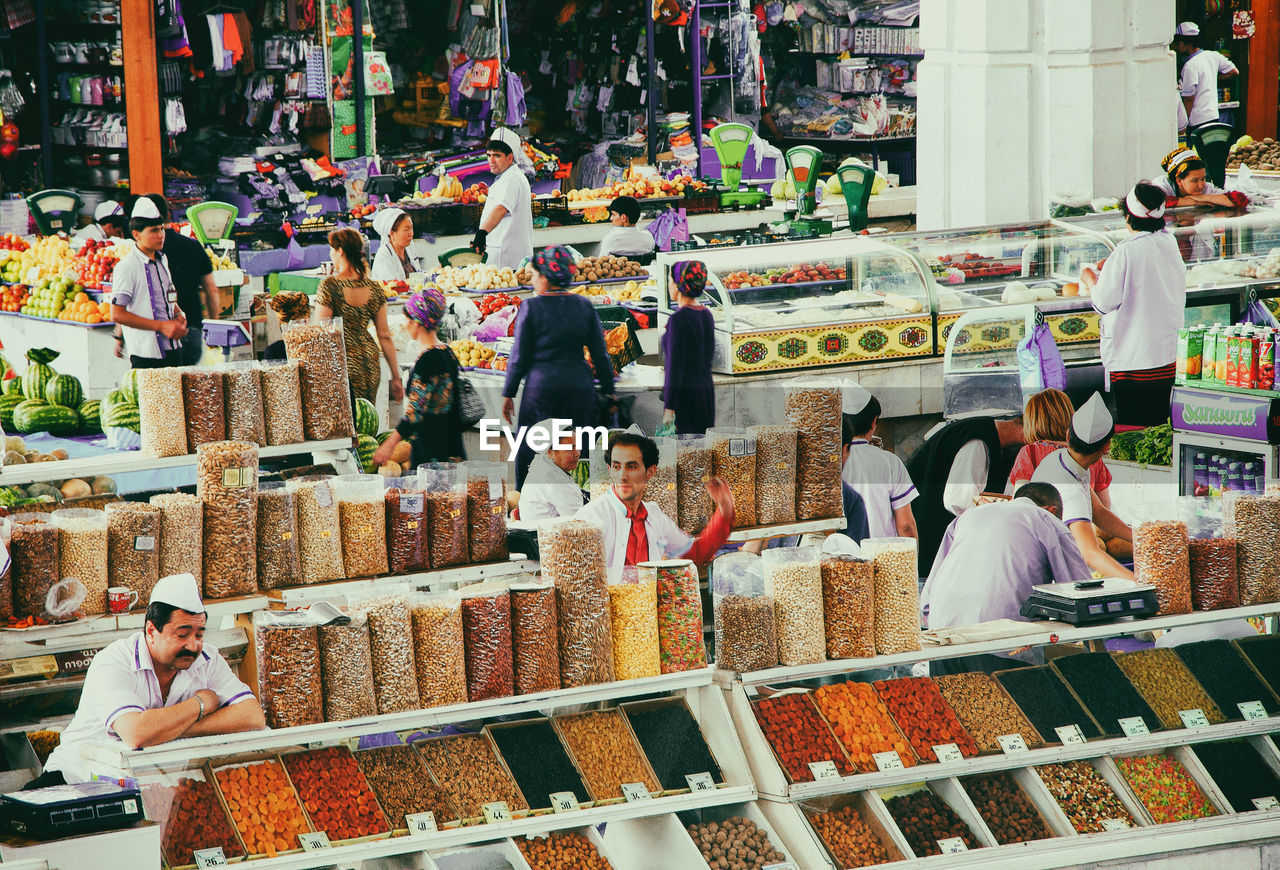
(1020,99)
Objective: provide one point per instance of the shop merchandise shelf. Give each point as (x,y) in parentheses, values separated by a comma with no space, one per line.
(340,592)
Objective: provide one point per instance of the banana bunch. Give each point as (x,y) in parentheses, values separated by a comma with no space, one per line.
(447,186)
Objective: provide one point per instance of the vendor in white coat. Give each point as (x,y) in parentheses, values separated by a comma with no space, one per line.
(393,261)
(878,476)
(109,223)
(1140,293)
(548,490)
(506,224)
(638,531)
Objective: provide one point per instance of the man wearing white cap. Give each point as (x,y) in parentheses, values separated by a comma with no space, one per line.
(157,685)
(1068,470)
(548,490)
(506,224)
(393,261)
(108,223)
(876,475)
(143,300)
(1200,73)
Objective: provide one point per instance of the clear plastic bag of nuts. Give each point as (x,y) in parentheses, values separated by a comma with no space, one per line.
(438,648)
(535,637)
(746,632)
(486,639)
(662,488)
(1161,557)
(694,461)
(391,639)
(82,553)
(793,578)
(405,505)
(290,687)
(162,424)
(319,348)
(1254,522)
(242,388)
(282,402)
(848,605)
(813,407)
(1211,557)
(897,589)
(34,569)
(279,564)
(572,557)
(227,484)
(487,510)
(362,518)
(733,460)
(775,474)
(346,668)
(181,534)
(205,403)
(319,538)
(133,547)
(633,618)
(446,490)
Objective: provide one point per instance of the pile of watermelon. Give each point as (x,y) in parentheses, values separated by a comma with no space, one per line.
(41,400)
(119,409)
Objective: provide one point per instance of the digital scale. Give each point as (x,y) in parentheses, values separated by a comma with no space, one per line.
(54,211)
(1091,601)
(805,161)
(69,810)
(731,143)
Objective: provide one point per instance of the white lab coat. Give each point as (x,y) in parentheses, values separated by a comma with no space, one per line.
(1072,482)
(666,541)
(1141,293)
(511,241)
(387,266)
(1200,82)
(881,479)
(626,241)
(548,492)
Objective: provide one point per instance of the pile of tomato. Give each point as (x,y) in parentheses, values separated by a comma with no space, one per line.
(491,302)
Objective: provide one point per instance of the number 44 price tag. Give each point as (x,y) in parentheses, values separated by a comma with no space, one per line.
(210,857)
(498,811)
(421,824)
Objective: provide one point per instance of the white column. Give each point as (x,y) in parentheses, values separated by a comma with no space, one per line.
(1020,99)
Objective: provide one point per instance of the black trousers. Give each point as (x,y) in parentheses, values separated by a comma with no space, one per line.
(46,779)
(1141,402)
(172,358)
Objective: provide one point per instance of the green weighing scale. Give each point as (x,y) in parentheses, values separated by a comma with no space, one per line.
(212,222)
(856,183)
(54,211)
(459,257)
(731,142)
(805,161)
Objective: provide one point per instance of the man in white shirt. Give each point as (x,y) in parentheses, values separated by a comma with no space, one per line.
(143,299)
(1068,470)
(625,240)
(154,686)
(875,474)
(1200,74)
(548,490)
(506,224)
(108,223)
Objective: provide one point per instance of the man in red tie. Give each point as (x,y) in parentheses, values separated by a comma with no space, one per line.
(638,531)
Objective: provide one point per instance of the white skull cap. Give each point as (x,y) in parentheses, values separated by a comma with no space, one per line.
(1093,421)
(178,590)
(853,397)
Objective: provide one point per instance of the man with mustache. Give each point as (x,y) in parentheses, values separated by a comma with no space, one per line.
(155,686)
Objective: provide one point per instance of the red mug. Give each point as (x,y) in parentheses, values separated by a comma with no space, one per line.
(120,599)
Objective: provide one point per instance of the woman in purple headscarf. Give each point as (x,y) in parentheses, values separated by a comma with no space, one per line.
(551,330)
(432,420)
(688,397)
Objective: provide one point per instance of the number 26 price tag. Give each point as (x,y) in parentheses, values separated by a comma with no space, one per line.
(210,857)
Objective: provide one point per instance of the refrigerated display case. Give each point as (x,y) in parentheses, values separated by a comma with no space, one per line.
(1224,440)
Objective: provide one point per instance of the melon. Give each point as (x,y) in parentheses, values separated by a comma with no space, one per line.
(76,488)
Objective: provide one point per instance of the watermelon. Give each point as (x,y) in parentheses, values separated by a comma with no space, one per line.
(38,372)
(383,436)
(13,387)
(366,418)
(90,419)
(120,415)
(365,447)
(129,385)
(7,404)
(34,415)
(111,399)
(64,390)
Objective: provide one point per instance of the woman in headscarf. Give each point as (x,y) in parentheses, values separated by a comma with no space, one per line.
(506,224)
(1185,182)
(688,396)
(551,330)
(393,262)
(432,420)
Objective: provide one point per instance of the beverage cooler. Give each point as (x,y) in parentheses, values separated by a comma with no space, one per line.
(1225,440)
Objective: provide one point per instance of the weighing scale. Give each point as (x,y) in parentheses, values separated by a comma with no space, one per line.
(54,210)
(212,223)
(731,143)
(69,810)
(856,183)
(1091,601)
(805,161)
(460,257)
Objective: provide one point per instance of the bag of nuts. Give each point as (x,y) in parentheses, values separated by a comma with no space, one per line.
(694,461)
(733,460)
(1254,522)
(34,569)
(793,578)
(438,648)
(813,407)
(1161,557)
(319,538)
(133,547)
(326,391)
(633,616)
(535,637)
(290,688)
(227,484)
(362,518)
(487,510)
(1211,556)
(486,640)
(162,430)
(897,586)
(203,398)
(82,553)
(572,557)
(775,474)
(406,511)
(282,402)
(242,389)
(446,490)
(848,606)
(662,488)
(346,668)
(181,534)
(279,564)
(746,633)
(391,639)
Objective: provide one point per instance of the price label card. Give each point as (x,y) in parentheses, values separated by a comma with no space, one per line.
(948,753)
(311,842)
(1267,803)
(144,542)
(1011,743)
(564,801)
(888,760)
(498,811)
(824,770)
(1115,825)
(952,845)
(421,823)
(210,857)
(1194,718)
(1070,735)
(1252,710)
(1133,726)
(700,782)
(635,791)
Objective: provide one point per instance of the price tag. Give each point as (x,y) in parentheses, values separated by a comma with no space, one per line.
(1070,734)
(421,823)
(498,811)
(311,842)
(564,801)
(700,782)
(1115,825)
(411,503)
(1011,743)
(1194,718)
(1133,726)
(952,845)
(635,791)
(887,760)
(144,542)
(1267,803)
(1252,710)
(948,753)
(210,857)
(824,770)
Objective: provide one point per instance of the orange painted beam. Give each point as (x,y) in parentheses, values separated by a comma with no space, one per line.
(142,96)
(1264,74)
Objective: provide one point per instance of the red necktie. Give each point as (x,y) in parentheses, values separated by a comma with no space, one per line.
(637,540)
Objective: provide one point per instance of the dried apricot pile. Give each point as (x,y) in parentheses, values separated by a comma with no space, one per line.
(862,722)
(336,794)
(263,806)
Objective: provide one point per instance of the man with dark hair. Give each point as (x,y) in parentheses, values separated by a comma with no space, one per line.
(1198,82)
(144,303)
(625,239)
(505,235)
(157,685)
(638,531)
(876,475)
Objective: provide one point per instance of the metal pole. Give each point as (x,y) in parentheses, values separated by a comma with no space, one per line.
(42,76)
(695,59)
(357,54)
(652,98)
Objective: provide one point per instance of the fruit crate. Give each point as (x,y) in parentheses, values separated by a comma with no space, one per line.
(701,202)
(469,220)
(630,351)
(437,220)
(556,211)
